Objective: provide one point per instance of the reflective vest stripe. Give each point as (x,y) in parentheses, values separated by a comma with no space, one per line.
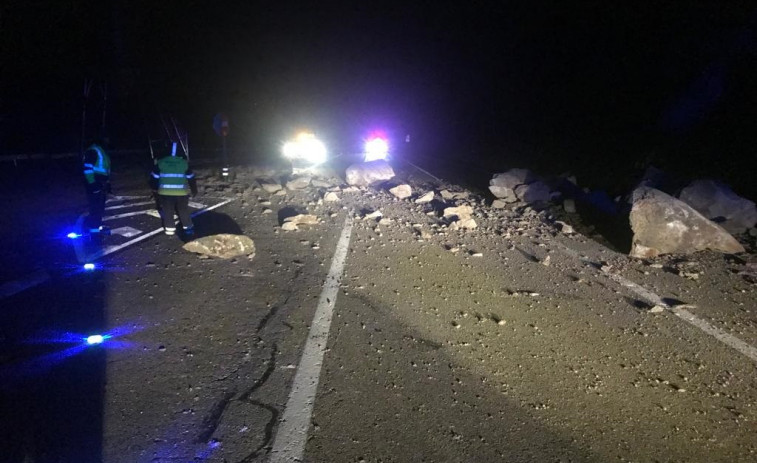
(174,175)
(171,186)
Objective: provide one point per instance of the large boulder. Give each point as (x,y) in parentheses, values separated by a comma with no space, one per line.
(503,185)
(718,202)
(367,173)
(223,246)
(533,193)
(664,225)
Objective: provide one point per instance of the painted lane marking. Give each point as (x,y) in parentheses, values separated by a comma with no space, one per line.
(10,288)
(679,310)
(150,212)
(126,232)
(291,435)
(113,199)
(123,206)
(129,214)
(111,249)
(722,336)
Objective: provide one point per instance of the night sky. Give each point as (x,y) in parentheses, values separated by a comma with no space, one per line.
(593,85)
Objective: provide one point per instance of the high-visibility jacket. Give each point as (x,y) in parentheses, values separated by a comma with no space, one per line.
(173,176)
(97,164)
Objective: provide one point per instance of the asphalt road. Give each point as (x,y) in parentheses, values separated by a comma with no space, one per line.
(511,342)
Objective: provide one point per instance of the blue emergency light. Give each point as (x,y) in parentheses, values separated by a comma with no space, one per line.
(89,266)
(73,235)
(96,339)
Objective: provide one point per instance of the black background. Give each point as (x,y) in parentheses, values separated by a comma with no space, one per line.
(601,88)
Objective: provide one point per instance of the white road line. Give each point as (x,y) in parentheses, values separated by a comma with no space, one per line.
(652,298)
(123,198)
(129,214)
(292,433)
(124,206)
(722,336)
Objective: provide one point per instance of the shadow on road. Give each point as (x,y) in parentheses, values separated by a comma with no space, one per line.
(51,380)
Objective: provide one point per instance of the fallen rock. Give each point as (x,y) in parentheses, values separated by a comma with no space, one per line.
(330,197)
(719,203)
(367,173)
(426,198)
(460,216)
(664,225)
(270,186)
(293,222)
(499,204)
(317,183)
(402,191)
(533,193)
(503,185)
(565,228)
(223,246)
(452,195)
(299,183)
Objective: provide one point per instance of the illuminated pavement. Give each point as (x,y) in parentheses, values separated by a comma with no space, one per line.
(490,353)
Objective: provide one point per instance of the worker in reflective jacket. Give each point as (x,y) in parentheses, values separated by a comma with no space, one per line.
(96,164)
(173,181)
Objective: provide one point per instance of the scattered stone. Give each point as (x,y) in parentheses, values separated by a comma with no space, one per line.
(503,185)
(270,186)
(281,192)
(461,217)
(373,215)
(299,183)
(267,211)
(426,198)
(533,193)
(330,197)
(565,228)
(449,195)
(402,191)
(499,204)
(657,309)
(367,173)
(223,246)
(317,183)
(719,203)
(665,225)
(292,223)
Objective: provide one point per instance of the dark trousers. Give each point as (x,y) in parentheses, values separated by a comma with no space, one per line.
(96,200)
(178,204)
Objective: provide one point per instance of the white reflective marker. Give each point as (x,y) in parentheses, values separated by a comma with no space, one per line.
(292,433)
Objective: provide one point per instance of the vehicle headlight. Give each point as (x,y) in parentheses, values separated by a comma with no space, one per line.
(305,147)
(376,148)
